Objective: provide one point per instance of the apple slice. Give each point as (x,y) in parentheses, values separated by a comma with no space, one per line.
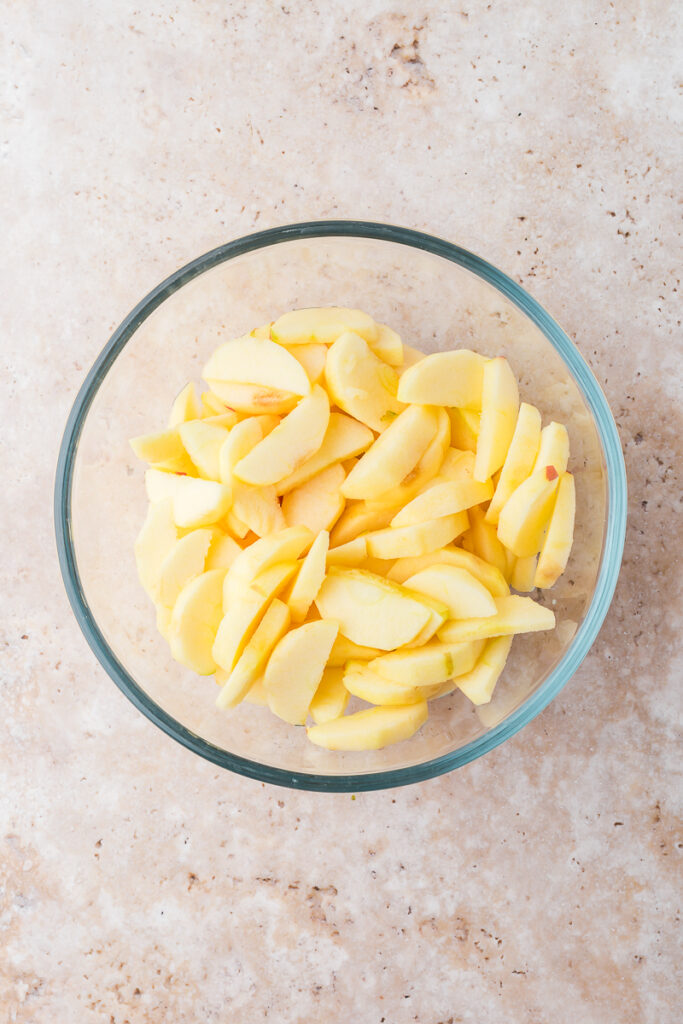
(165,451)
(258,508)
(295,669)
(478,684)
(256,653)
(362,682)
(212,405)
(251,360)
(318,503)
(371,729)
(485,541)
(489,575)
(298,436)
(443,499)
(344,438)
(184,561)
(463,594)
(426,666)
(285,546)
(309,578)
(513,615)
(185,406)
(223,550)
(155,540)
(353,553)
(387,345)
(427,468)
(410,357)
(406,541)
(196,615)
(344,650)
(394,454)
(524,516)
(253,399)
(370,610)
(356,519)
(199,502)
(240,441)
(553,449)
(445,378)
(203,441)
(360,383)
(519,460)
(234,524)
(303,326)
(312,358)
(330,698)
(500,405)
(464,429)
(557,545)
(241,618)
(523,573)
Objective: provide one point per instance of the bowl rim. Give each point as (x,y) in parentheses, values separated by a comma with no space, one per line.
(612,545)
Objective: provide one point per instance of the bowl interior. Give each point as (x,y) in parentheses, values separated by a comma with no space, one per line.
(435,304)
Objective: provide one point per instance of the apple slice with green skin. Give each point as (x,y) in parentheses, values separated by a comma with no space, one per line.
(395,453)
(523,573)
(464,429)
(344,650)
(407,541)
(165,451)
(443,499)
(499,409)
(524,516)
(285,546)
(519,461)
(353,553)
(478,684)
(360,383)
(156,539)
(553,449)
(387,345)
(253,399)
(203,441)
(185,560)
(194,622)
(295,439)
(426,666)
(296,667)
(427,468)
(513,615)
(256,653)
(445,378)
(318,503)
(344,438)
(485,540)
(251,360)
(370,611)
(325,325)
(362,682)
(242,617)
(463,594)
(186,406)
(223,550)
(489,575)
(309,578)
(557,545)
(371,729)
(330,698)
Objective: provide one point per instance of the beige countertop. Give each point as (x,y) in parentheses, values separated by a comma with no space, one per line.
(140,885)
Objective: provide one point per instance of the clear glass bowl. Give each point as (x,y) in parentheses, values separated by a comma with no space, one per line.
(437,296)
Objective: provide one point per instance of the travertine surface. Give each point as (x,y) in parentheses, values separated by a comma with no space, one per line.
(138,884)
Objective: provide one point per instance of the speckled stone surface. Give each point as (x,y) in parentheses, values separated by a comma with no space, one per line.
(140,885)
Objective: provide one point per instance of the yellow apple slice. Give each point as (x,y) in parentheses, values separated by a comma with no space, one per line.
(212,405)
(185,406)
(500,405)
(410,357)
(330,698)
(485,541)
(371,729)
(295,439)
(258,508)
(524,516)
(160,485)
(370,611)
(513,615)
(251,360)
(165,451)
(445,378)
(420,539)
(394,454)
(285,546)
(519,460)
(318,503)
(362,682)
(427,468)
(254,399)
(199,502)
(428,665)
(478,684)
(234,524)
(443,499)
(523,573)
(356,519)
(155,540)
(344,650)
(353,553)
(459,590)
(203,441)
(312,358)
(344,438)
(241,618)
(489,575)
(256,653)
(185,560)
(360,383)
(553,449)
(387,345)
(295,669)
(222,552)
(303,326)
(226,419)
(464,429)
(240,441)
(557,545)
(196,615)
(309,578)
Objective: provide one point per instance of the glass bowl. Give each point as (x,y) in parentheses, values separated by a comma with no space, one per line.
(438,296)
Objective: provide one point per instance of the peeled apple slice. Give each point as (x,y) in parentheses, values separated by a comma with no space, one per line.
(463,595)
(357,518)
(186,406)
(295,669)
(485,541)
(553,449)
(353,553)
(362,682)
(443,499)
(253,399)
(371,729)
(309,578)
(344,438)
(258,508)
(195,619)
(464,429)
(325,325)
(164,450)
(240,620)
(478,684)
(360,383)
(524,516)
(318,503)
(155,540)
(252,661)
(285,546)
(427,468)
(445,378)
(499,408)
(426,666)
(330,698)
(312,358)
(406,541)
(344,650)
(195,502)
(394,454)
(557,545)
(184,561)
(519,460)
(251,360)
(513,615)
(523,573)
(203,442)
(489,575)
(387,345)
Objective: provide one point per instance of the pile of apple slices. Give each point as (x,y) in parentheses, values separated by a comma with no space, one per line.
(339,515)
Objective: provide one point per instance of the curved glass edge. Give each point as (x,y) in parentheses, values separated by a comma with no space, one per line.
(612,546)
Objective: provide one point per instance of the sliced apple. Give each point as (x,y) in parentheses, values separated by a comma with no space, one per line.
(524,516)
(523,574)
(500,405)
(427,468)
(356,519)
(253,398)
(285,546)
(361,383)
(165,451)
(318,503)
(553,449)
(212,405)
(199,502)
(420,539)
(489,575)
(519,460)
(485,541)
(513,615)
(344,650)
(303,326)
(394,454)
(256,653)
(387,345)
(155,540)
(241,618)
(370,610)
(371,729)
(353,553)
(203,441)
(557,545)
(196,615)
(295,439)
(464,429)
(344,438)
(330,698)
(458,589)
(236,526)
(443,499)
(309,578)
(251,360)
(445,378)
(410,357)
(185,560)
(428,665)
(258,508)
(185,407)
(362,682)
(296,667)
(223,550)
(478,684)
(312,358)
